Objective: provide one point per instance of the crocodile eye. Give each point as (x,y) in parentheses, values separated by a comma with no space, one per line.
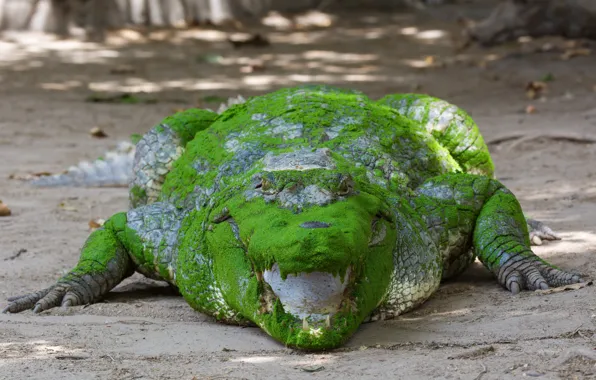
(263,184)
(346,185)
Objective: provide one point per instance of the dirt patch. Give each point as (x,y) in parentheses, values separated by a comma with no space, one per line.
(470,329)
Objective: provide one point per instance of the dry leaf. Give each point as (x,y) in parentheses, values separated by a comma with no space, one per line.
(535,89)
(96,223)
(565,288)
(98,133)
(575,53)
(530,109)
(4,210)
(66,207)
(429,60)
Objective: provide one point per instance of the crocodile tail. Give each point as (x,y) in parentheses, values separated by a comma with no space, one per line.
(115,169)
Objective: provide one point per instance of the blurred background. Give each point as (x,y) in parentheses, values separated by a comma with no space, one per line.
(202,51)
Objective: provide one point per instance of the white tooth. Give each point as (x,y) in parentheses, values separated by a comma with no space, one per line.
(328,321)
(305,324)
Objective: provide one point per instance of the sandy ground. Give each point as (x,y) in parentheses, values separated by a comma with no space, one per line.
(470,329)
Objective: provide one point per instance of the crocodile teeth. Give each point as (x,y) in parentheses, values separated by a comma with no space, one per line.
(305,326)
(328,322)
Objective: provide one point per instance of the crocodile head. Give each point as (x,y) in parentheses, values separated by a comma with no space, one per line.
(313,243)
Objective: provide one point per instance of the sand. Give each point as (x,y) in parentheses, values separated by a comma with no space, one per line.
(470,329)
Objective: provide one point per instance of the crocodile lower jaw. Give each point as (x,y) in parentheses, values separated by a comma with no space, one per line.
(314,296)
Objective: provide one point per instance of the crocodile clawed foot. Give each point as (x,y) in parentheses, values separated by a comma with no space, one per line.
(57,295)
(532,274)
(24,302)
(540,231)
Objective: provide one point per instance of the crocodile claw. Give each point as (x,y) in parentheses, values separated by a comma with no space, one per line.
(534,275)
(540,231)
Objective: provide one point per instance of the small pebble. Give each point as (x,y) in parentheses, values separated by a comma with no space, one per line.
(4,210)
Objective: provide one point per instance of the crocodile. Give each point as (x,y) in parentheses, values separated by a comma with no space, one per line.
(308,211)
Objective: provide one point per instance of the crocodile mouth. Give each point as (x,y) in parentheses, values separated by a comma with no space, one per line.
(314,295)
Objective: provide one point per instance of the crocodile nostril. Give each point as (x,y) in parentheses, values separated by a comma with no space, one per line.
(315,224)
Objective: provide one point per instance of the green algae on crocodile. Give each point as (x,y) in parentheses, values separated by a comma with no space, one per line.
(307,211)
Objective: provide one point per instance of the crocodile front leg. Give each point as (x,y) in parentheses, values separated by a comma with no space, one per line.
(103,264)
(472,215)
(455,130)
(502,242)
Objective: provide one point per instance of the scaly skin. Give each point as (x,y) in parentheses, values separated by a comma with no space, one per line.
(307,211)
